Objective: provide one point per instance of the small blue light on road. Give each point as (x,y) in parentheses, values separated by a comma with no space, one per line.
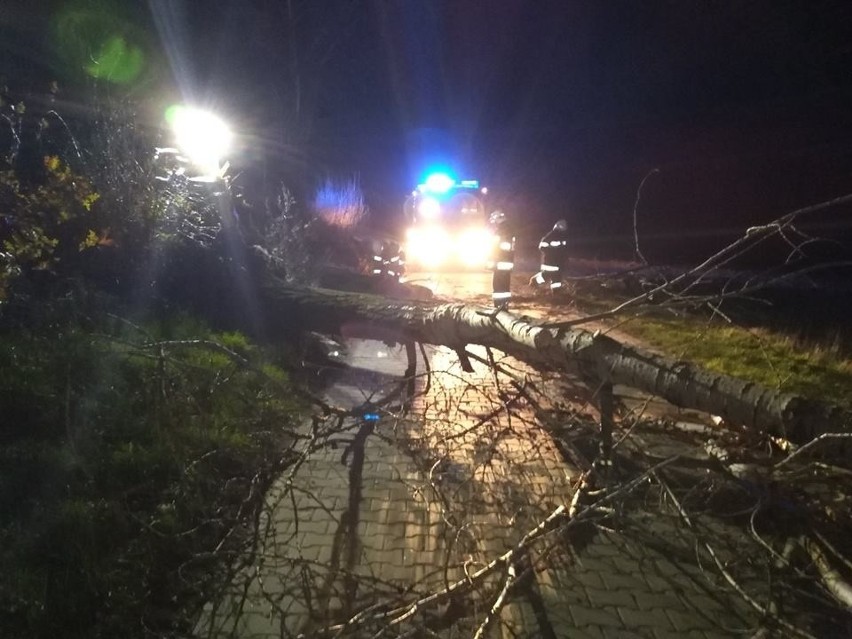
(371,417)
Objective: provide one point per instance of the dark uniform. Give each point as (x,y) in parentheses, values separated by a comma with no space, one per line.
(554,255)
(504,260)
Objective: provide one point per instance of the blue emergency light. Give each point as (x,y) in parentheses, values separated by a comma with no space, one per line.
(441,183)
(370,417)
(438,183)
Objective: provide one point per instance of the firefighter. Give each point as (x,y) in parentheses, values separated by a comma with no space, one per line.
(504,260)
(378,269)
(393,260)
(554,255)
(388,260)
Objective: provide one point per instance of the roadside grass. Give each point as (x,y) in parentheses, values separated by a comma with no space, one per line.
(775,347)
(811,369)
(131,461)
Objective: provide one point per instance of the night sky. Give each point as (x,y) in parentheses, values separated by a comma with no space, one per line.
(560,107)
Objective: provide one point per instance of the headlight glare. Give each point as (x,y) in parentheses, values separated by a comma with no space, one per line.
(428,246)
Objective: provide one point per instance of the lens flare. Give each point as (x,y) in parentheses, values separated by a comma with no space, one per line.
(100,40)
(117,61)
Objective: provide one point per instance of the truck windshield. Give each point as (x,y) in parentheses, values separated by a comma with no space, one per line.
(456,207)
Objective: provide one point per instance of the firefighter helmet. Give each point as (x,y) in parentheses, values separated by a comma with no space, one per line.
(497,217)
(561,225)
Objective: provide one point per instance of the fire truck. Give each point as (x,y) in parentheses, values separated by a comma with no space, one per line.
(447,224)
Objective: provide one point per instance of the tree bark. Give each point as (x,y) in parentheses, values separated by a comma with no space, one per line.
(575,350)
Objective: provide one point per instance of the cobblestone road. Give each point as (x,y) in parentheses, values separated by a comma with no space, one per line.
(380,513)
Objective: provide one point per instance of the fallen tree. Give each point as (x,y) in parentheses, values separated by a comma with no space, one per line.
(601,360)
(793,522)
(690,490)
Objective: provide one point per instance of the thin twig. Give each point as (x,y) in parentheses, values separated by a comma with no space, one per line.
(810,444)
(497,606)
(636,215)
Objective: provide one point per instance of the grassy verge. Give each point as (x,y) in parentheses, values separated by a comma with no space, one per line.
(761,355)
(771,346)
(131,461)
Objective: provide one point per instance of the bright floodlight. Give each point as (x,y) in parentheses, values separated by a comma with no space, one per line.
(203,137)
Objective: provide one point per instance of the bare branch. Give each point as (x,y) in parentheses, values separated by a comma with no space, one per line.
(636,215)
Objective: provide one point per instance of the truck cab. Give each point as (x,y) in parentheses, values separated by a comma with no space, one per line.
(447,224)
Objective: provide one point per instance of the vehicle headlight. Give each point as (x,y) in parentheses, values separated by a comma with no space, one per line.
(429,208)
(428,246)
(476,246)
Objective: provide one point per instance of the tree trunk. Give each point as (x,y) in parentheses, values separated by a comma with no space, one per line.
(593,355)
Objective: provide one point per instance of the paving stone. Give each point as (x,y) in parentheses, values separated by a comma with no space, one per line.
(683,620)
(589,632)
(617,598)
(602,548)
(657,584)
(646,600)
(653,618)
(620,581)
(562,594)
(585,575)
(703,634)
(601,617)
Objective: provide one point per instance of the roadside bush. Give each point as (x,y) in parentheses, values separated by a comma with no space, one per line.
(148,193)
(133,455)
(130,454)
(300,241)
(340,203)
(93,199)
(45,224)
